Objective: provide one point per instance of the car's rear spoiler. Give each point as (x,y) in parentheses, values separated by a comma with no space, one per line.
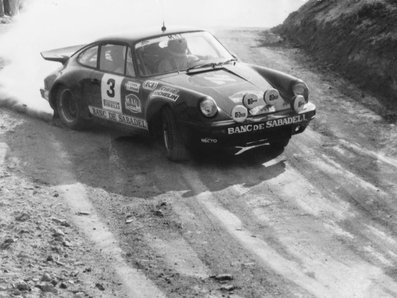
(60,55)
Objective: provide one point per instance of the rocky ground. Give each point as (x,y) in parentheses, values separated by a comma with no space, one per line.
(93,214)
(42,254)
(356,38)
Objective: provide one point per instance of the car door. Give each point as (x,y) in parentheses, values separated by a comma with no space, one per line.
(111,67)
(113,92)
(91,76)
(133,101)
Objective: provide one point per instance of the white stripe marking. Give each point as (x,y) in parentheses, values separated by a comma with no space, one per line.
(379,156)
(179,255)
(3,152)
(258,247)
(136,283)
(332,278)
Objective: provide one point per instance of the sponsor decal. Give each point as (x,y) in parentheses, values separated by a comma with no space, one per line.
(167,93)
(175,36)
(150,85)
(285,121)
(220,79)
(268,124)
(142,43)
(111,105)
(120,118)
(133,103)
(110,92)
(132,86)
(209,141)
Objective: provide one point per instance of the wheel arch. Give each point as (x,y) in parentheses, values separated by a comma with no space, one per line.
(58,85)
(153,115)
(54,93)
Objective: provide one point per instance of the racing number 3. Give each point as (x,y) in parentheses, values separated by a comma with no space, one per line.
(111,92)
(111,84)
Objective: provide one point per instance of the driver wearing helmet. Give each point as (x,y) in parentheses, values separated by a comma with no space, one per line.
(177,57)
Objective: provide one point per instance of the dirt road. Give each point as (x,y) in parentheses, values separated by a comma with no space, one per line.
(317,220)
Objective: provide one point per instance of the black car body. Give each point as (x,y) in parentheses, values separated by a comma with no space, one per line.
(207,98)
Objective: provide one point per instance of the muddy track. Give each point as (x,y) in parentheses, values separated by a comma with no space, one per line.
(317,220)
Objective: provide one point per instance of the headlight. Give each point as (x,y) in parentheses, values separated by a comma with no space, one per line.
(208,107)
(272,97)
(239,113)
(300,88)
(251,100)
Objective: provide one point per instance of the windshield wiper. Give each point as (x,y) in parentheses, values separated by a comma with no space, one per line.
(234,60)
(212,64)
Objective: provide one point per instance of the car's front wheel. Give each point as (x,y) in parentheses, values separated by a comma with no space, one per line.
(68,109)
(172,138)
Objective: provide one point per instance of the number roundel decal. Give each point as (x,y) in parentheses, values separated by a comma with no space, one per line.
(111,92)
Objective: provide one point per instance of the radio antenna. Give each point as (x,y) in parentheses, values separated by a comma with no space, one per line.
(163,28)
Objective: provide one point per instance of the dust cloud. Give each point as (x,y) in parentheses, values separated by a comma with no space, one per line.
(50,24)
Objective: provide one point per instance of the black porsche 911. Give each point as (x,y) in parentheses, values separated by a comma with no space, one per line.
(182,85)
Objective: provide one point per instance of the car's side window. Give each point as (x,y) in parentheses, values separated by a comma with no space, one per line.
(113,58)
(89,57)
(130,64)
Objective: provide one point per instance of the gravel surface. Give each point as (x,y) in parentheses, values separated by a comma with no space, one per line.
(93,214)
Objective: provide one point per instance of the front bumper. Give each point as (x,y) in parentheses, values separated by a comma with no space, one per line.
(255,130)
(45,94)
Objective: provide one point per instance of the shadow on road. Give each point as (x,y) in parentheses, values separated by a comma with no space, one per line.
(129,165)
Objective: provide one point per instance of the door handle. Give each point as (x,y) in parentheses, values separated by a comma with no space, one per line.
(95,81)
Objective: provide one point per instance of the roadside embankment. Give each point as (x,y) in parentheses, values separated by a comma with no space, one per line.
(358,38)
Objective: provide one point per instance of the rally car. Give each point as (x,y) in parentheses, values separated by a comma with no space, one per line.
(182,85)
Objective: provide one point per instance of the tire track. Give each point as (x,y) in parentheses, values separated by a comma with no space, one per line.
(233,225)
(3,152)
(134,281)
(315,269)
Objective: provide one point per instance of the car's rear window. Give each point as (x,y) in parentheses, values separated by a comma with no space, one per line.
(89,57)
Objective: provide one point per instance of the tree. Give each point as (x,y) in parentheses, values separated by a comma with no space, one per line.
(9,7)
(14,7)
(1,8)
(6,6)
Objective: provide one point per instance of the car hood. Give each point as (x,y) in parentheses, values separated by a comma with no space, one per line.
(226,85)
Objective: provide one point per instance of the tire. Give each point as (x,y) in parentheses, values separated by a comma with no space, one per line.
(173,142)
(68,109)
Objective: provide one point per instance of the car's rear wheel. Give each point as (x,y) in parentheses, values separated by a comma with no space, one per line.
(69,110)
(173,142)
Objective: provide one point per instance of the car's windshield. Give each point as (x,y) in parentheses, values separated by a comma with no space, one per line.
(178,52)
